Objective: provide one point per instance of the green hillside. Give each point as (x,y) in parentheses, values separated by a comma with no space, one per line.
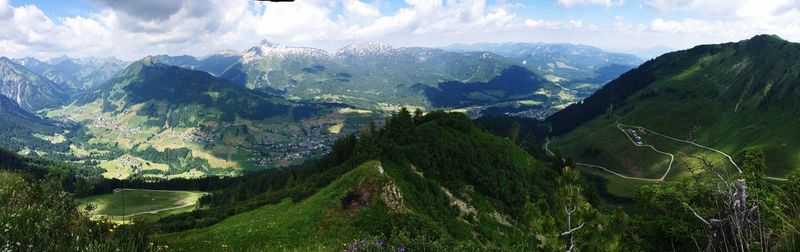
(424,193)
(709,101)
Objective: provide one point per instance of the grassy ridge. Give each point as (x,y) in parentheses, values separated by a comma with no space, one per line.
(316,223)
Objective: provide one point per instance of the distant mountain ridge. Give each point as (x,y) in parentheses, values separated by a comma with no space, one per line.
(74,74)
(371,75)
(378,76)
(29,90)
(573,66)
(214,64)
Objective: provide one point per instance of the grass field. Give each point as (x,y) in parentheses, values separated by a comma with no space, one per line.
(336,128)
(601,143)
(122,167)
(140,202)
(609,147)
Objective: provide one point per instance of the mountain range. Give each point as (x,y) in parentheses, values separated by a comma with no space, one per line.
(29,90)
(214,64)
(375,75)
(74,74)
(379,76)
(579,67)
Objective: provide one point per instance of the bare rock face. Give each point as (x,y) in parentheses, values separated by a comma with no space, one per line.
(393,197)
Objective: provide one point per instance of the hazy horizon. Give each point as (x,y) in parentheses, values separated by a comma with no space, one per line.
(132,30)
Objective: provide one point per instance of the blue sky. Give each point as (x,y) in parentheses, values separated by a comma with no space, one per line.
(57,9)
(133,29)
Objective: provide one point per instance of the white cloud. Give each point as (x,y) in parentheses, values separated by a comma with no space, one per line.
(728,9)
(5,10)
(132,30)
(731,18)
(144,9)
(557,25)
(698,26)
(667,5)
(605,3)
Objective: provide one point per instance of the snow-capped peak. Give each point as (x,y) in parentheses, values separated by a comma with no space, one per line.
(366,49)
(267,49)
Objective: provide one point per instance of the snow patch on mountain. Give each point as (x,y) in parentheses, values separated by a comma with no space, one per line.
(367,49)
(268,49)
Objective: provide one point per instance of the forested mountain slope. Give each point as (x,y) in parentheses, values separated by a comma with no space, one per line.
(19,126)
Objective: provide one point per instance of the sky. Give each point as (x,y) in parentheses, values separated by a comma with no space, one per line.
(130,30)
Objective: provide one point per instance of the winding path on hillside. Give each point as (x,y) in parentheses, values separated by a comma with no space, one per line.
(549,152)
(689,142)
(671,161)
(672,157)
(620,175)
(707,148)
